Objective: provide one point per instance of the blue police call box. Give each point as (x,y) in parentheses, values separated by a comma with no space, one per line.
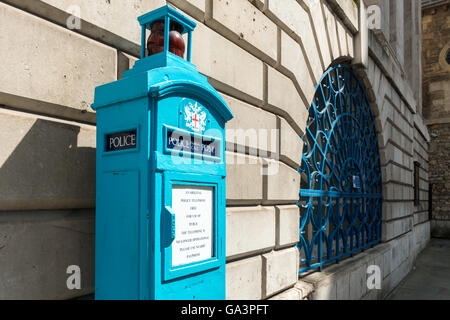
(160,202)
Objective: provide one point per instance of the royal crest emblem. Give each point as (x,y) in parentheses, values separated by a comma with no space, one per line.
(195,118)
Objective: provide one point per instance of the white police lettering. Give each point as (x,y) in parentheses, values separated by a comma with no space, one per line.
(123,141)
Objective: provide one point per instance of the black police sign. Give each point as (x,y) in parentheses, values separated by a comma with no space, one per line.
(121,140)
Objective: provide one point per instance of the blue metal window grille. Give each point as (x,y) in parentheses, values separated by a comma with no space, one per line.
(341,186)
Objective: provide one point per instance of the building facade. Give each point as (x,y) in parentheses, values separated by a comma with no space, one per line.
(269,60)
(436,109)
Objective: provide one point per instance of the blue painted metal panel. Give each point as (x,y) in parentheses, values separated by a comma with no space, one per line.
(161,97)
(341,187)
(114,211)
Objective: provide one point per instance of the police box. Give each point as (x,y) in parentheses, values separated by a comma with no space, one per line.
(160,202)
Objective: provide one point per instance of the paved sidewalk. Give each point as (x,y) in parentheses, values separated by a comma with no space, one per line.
(431,278)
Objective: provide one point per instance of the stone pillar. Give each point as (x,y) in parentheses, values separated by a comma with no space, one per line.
(361,39)
(397,29)
(412,61)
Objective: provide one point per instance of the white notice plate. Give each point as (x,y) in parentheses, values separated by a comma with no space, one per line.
(193,207)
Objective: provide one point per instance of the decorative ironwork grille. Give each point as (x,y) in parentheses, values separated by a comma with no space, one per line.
(341,186)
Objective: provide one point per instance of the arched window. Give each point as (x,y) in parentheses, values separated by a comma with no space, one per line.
(341,186)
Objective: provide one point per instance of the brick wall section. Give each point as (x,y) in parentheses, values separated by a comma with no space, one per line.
(436,72)
(440,178)
(440,174)
(436,102)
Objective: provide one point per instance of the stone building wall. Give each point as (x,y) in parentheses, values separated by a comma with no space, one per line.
(265,58)
(436,103)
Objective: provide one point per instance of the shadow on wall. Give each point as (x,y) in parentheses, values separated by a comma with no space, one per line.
(49,176)
(47,170)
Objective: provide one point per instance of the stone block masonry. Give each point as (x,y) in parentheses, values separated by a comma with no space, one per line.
(45,163)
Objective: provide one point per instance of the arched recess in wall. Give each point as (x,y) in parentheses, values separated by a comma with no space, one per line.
(341,184)
(444,58)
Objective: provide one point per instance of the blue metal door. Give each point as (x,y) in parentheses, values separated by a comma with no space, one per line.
(341,187)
